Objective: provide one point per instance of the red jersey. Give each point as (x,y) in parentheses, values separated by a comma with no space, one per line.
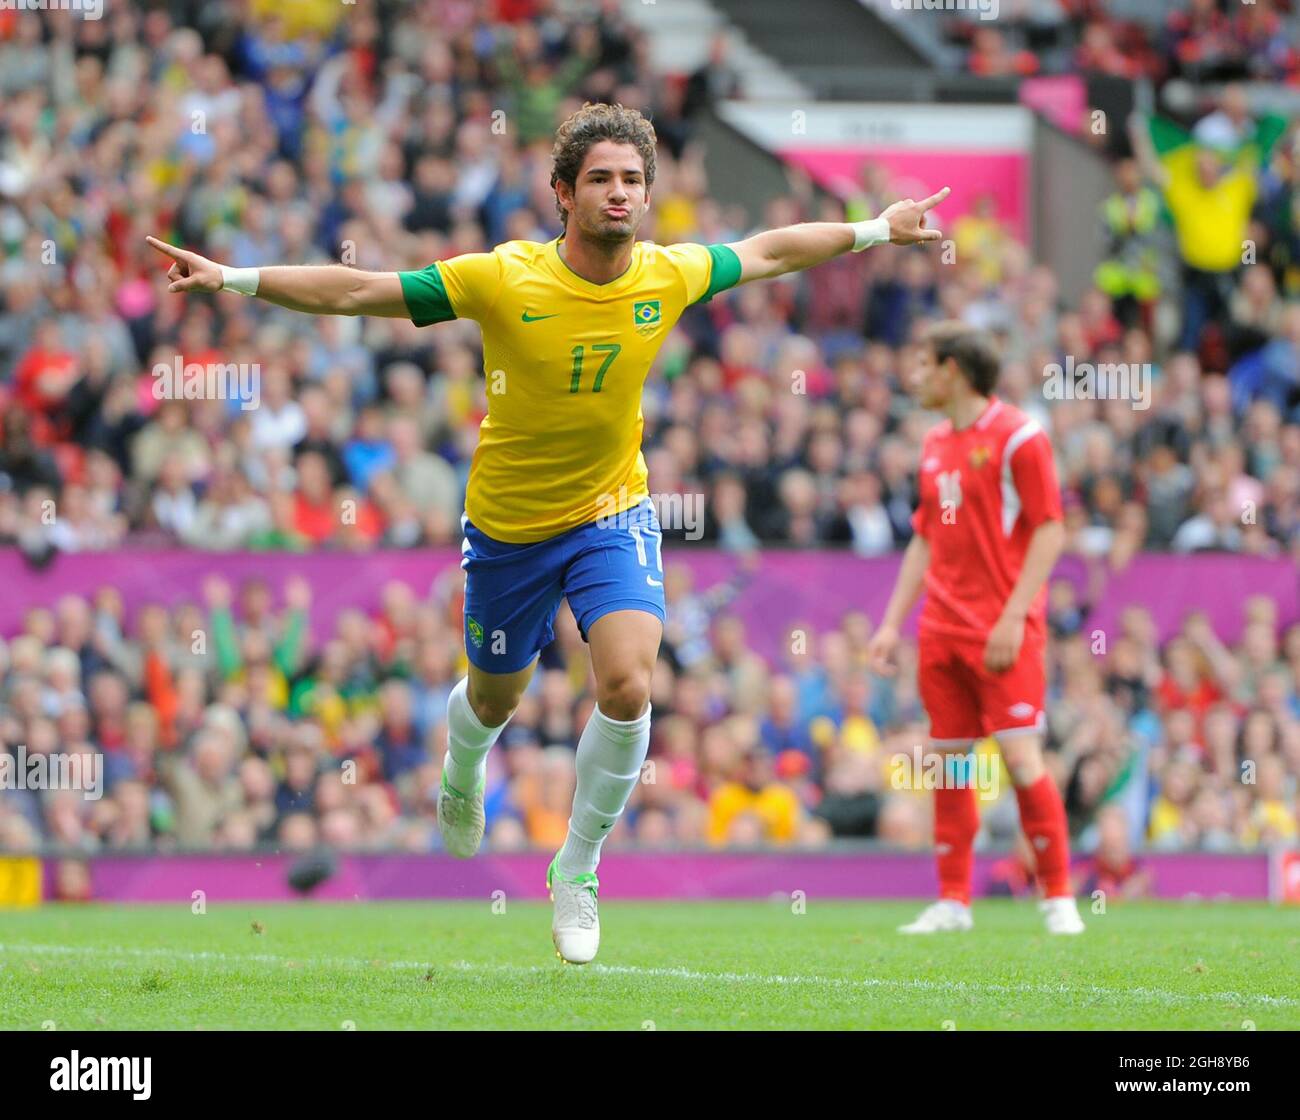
(984,490)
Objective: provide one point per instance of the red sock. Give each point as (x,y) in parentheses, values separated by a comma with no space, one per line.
(1042,817)
(956,820)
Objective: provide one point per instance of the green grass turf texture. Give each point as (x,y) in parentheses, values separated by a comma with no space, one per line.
(689,965)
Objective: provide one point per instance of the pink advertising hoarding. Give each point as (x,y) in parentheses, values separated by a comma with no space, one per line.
(915,174)
(979,151)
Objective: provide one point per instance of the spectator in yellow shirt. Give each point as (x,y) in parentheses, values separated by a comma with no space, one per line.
(315,17)
(1168,829)
(981,238)
(752,796)
(1272,819)
(1209,196)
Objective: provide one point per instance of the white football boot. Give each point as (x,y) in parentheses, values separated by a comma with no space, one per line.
(575,926)
(1061,915)
(460,819)
(945,916)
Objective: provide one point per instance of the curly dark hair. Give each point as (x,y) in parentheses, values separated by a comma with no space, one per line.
(589,126)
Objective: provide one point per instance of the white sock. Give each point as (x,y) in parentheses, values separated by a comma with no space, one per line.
(610,753)
(468,742)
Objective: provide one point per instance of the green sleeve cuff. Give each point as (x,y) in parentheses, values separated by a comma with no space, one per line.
(426,296)
(725,272)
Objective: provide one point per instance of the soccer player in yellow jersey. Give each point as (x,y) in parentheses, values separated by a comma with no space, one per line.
(557,504)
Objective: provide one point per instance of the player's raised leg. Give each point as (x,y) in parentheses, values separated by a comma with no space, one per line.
(1042,819)
(511,596)
(613,745)
(477,712)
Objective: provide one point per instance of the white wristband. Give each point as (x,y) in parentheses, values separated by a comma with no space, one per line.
(874,231)
(241,280)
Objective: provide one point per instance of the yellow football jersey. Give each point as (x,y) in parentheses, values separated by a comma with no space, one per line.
(565,362)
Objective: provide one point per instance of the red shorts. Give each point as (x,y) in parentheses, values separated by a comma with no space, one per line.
(966,701)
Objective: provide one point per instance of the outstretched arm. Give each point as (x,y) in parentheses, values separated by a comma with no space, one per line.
(316,289)
(775,252)
(1144,151)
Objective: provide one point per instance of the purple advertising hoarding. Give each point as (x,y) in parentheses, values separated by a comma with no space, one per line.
(624,874)
(812,589)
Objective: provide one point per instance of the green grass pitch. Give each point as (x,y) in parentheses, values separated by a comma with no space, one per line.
(438,965)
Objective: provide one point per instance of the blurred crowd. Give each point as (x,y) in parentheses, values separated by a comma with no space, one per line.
(1197,40)
(388,138)
(222,725)
(390,143)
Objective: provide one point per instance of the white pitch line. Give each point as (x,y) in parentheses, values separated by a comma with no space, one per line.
(1156,995)
(1151,995)
(200,955)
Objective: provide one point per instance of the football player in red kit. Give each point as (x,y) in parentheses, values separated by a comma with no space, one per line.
(988,532)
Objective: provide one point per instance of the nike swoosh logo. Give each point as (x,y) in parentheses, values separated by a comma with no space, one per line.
(654,582)
(537,318)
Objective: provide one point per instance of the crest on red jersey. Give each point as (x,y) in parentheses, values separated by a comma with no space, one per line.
(979,456)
